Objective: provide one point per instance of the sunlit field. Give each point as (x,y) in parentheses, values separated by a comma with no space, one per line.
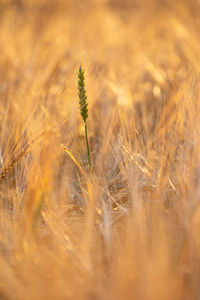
(128,228)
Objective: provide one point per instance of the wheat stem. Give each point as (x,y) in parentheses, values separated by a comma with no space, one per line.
(87,144)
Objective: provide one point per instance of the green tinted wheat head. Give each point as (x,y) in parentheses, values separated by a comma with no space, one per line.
(83,106)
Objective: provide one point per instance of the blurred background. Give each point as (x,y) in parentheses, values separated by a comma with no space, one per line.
(131,230)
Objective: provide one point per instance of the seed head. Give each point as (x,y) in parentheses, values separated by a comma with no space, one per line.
(82,95)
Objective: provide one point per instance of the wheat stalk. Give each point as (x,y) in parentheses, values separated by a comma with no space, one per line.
(5,170)
(83,106)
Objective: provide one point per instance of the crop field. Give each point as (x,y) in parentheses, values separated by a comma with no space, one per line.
(114,214)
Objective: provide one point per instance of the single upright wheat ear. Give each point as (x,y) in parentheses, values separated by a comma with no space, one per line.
(83,106)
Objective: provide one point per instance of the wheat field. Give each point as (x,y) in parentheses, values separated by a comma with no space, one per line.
(129,227)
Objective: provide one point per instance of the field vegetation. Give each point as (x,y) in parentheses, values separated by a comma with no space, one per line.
(128,227)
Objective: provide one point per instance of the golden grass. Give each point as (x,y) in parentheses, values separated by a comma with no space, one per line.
(130,228)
